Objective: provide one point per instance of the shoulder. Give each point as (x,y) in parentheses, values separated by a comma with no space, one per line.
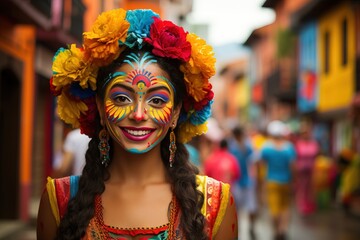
(60,191)
(216,198)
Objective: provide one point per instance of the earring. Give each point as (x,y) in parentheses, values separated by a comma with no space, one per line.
(104,147)
(172,146)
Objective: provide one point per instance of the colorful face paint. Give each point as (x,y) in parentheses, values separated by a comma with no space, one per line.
(139,101)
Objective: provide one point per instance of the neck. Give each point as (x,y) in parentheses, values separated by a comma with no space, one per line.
(145,168)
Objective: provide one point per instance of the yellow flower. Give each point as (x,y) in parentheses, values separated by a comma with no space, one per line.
(194,85)
(102,42)
(70,110)
(200,68)
(69,66)
(202,56)
(187,131)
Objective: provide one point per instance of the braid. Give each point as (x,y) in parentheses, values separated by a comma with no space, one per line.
(183,180)
(81,208)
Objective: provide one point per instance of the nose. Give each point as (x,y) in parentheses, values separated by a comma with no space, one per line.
(139,113)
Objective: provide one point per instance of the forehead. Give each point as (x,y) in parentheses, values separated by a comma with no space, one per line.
(141,75)
(152,69)
(150,74)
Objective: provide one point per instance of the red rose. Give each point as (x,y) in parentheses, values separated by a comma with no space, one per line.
(169,40)
(208,97)
(88,120)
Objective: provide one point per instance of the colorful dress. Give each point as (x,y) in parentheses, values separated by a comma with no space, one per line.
(216,197)
(306,151)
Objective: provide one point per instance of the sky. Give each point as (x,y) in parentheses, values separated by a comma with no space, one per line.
(230,21)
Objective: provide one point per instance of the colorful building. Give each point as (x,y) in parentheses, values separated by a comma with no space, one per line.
(273,76)
(307,91)
(327,76)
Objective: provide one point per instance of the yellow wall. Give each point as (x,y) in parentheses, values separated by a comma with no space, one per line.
(336,88)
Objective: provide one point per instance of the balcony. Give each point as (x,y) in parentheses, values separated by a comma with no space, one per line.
(56,25)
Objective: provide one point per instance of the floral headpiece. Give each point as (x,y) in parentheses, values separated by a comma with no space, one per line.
(75,69)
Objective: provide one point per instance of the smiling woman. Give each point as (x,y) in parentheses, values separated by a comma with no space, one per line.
(140,89)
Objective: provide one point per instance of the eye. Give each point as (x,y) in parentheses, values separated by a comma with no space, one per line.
(121,99)
(157,102)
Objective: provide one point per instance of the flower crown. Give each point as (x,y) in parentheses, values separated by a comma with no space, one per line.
(75,69)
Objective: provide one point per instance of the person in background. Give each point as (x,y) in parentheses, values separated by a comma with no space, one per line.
(323,179)
(138,86)
(279,155)
(245,188)
(307,149)
(222,165)
(73,154)
(219,163)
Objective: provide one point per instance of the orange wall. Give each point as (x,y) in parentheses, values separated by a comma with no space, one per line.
(20,44)
(135,4)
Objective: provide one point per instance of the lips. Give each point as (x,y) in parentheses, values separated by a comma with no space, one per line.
(137,134)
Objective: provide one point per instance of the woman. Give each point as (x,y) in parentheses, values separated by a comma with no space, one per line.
(139,88)
(307,149)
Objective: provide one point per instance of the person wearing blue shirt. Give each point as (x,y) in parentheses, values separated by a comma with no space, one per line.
(278,154)
(245,188)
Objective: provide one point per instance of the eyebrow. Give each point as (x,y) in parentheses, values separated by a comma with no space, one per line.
(150,90)
(123,86)
(158,88)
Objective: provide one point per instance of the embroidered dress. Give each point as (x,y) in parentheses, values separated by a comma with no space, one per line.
(216,196)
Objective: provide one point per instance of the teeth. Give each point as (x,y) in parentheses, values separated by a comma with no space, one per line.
(137,133)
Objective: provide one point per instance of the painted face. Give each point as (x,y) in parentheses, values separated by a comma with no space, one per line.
(139,103)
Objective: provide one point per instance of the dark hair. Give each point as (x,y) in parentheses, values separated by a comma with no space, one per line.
(238,132)
(182,175)
(223,144)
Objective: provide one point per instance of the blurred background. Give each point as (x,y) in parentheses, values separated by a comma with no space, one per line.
(297,61)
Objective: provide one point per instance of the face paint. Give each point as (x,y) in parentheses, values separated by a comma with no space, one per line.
(139,101)
(116,106)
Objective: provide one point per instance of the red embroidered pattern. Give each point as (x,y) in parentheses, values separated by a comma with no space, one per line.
(98,230)
(213,199)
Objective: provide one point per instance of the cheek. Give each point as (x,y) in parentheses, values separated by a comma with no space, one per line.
(161,116)
(116,113)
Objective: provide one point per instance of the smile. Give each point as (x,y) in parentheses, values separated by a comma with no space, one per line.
(137,134)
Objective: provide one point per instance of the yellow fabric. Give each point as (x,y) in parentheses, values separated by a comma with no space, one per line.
(278,197)
(224,199)
(50,187)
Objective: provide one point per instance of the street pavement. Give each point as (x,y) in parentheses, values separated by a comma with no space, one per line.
(330,224)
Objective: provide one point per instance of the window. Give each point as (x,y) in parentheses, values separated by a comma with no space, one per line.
(326,52)
(344,42)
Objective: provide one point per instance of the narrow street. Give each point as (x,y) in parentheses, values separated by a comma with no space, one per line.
(327,225)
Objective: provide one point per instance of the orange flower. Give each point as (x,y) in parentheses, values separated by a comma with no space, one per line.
(102,42)
(199,68)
